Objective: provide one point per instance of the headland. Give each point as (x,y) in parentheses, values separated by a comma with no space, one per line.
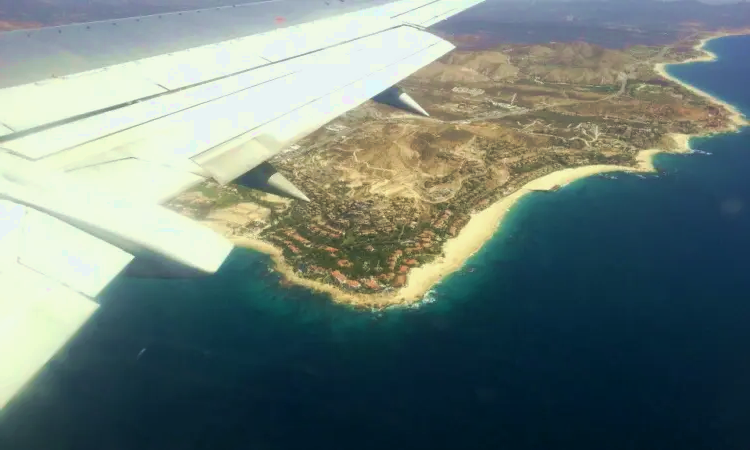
(399,202)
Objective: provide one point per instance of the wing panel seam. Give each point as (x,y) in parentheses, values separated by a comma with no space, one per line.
(19,261)
(415,9)
(61,122)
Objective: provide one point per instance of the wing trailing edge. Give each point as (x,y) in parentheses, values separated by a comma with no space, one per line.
(101,122)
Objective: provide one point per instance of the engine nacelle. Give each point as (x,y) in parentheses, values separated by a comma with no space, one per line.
(396,97)
(266,178)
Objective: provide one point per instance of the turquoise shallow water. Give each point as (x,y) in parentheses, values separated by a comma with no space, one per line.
(610,314)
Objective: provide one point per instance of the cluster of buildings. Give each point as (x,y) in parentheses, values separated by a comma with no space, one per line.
(325,230)
(466,90)
(440,221)
(293,235)
(423,241)
(368,283)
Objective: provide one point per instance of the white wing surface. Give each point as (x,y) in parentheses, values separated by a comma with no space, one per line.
(101,122)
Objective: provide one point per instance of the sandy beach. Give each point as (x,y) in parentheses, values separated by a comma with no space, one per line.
(737,118)
(483,225)
(480,228)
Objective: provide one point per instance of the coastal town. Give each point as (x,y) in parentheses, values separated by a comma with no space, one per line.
(388,189)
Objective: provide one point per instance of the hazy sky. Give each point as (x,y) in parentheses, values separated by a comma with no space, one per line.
(64,11)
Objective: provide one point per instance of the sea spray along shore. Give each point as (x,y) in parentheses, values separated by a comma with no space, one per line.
(482,225)
(485,224)
(480,228)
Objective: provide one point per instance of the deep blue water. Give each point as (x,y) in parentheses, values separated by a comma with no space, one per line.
(612,314)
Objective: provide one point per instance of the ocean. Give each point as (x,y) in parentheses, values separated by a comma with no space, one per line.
(611,314)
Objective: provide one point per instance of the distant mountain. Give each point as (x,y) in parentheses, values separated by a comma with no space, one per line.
(611,24)
(577,62)
(606,22)
(645,14)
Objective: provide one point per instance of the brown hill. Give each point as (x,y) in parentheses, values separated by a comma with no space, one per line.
(577,62)
(470,67)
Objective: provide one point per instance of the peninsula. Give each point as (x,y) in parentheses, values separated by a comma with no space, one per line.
(399,201)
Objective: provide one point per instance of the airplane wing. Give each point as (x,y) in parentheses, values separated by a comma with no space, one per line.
(101,122)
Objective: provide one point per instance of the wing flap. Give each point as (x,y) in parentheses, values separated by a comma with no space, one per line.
(68,255)
(49,271)
(137,180)
(139,228)
(57,250)
(37,317)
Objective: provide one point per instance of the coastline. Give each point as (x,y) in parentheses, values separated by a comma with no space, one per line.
(738,119)
(457,250)
(483,225)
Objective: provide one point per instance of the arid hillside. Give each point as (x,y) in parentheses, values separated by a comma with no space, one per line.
(388,187)
(577,63)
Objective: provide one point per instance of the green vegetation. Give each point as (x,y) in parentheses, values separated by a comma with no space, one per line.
(378,209)
(602,89)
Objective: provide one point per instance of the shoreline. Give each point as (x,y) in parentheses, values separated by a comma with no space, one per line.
(458,250)
(736,116)
(483,225)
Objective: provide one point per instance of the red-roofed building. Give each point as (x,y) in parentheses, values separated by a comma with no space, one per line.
(372,284)
(339,276)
